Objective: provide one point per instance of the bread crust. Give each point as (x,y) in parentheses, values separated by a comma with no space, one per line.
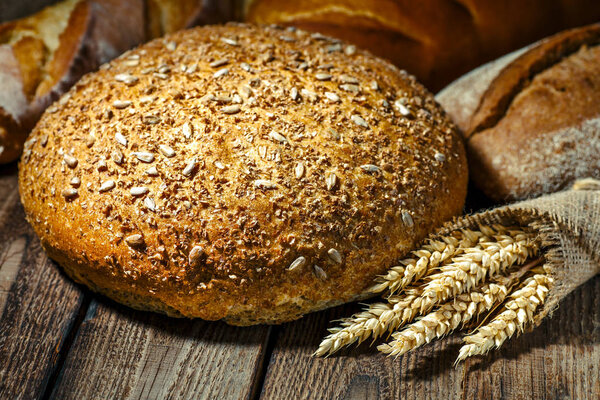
(535,127)
(436,40)
(251,174)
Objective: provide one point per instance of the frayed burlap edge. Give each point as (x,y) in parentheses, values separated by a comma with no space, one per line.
(568,225)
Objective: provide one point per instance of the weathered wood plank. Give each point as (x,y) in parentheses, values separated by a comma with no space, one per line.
(558,360)
(357,373)
(38,304)
(127,354)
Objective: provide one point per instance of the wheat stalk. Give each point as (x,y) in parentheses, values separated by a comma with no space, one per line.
(513,317)
(505,247)
(453,314)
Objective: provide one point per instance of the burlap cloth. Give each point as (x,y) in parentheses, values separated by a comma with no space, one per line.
(568,224)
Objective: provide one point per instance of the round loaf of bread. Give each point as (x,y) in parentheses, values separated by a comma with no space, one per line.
(241,173)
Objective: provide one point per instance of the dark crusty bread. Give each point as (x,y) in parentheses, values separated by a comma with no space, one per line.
(240,173)
(436,40)
(532,118)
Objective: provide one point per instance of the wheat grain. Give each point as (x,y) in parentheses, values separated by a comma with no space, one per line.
(374,321)
(515,314)
(471,257)
(453,314)
(434,253)
(492,255)
(431,255)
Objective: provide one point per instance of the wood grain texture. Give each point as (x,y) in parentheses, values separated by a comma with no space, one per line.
(38,304)
(126,354)
(560,359)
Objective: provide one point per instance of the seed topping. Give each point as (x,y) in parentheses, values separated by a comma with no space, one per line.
(232,109)
(70,160)
(121,104)
(139,190)
(370,168)
(171,46)
(221,72)
(264,184)
(166,150)
(294,94)
(144,156)
(151,119)
(152,171)
(126,78)
(187,131)
(278,137)
(219,165)
(407,219)
(331,181)
(75,181)
(319,272)
(150,204)
(231,42)
(297,263)
(69,193)
(404,111)
(321,76)
(350,88)
(299,170)
(106,186)
(117,156)
(332,97)
(348,79)
(136,240)
(335,255)
(195,255)
(122,140)
(189,168)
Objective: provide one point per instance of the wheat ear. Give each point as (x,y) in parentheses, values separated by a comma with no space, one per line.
(374,321)
(431,255)
(458,276)
(453,314)
(493,255)
(513,317)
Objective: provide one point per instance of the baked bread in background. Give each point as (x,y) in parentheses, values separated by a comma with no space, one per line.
(41,56)
(531,119)
(436,40)
(240,173)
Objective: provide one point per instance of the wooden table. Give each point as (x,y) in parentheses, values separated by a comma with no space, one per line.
(60,341)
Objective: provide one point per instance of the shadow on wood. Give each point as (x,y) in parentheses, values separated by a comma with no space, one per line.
(534,365)
(38,305)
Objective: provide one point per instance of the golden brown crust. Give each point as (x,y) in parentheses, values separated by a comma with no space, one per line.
(536,128)
(437,40)
(237,172)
